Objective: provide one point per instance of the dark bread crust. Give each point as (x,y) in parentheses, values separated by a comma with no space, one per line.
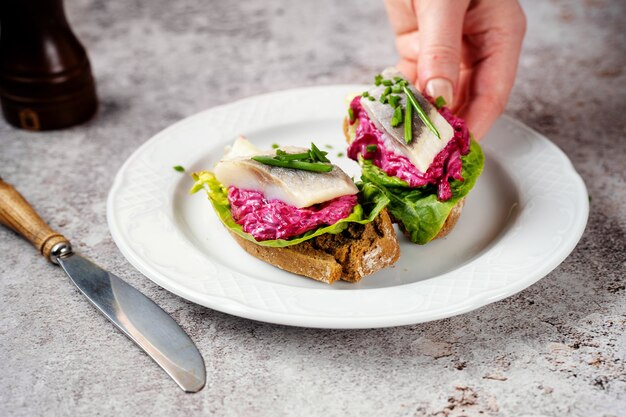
(358,251)
(452,218)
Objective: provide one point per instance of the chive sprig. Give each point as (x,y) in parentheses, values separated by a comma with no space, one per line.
(397,86)
(313,160)
(408,123)
(420,111)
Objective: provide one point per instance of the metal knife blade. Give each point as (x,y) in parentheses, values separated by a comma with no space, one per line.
(133,313)
(139,318)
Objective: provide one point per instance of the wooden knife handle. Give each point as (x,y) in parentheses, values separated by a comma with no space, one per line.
(17,214)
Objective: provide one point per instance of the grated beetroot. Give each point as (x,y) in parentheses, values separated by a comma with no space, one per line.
(273,219)
(447,164)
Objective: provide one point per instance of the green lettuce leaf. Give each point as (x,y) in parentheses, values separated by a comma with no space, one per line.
(419,210)
(218,196)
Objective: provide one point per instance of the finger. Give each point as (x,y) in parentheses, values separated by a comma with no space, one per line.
(462,90)
(488,91)
(401,16)
(440,25)
(480,113)
(408,68)
(408,45)
(489,87)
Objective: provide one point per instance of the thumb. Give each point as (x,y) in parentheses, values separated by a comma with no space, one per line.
(440,25)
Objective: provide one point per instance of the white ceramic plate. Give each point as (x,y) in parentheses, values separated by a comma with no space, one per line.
(525,215)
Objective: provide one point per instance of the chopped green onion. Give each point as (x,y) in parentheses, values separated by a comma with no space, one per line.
(397,79)
(384,96)
(396,119)
(387,82)
(179,168)
(365,94)
(312,160)
(371,148)
(320,156)
(394,101)
(292,156)
(327,146)
(339,154)
(408,123)
(420,111)
(396,89)
(351,115)
(378,79)
(301,165)
(440,102)
(275,146)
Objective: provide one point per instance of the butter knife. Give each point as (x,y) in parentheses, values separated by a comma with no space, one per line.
(138,317)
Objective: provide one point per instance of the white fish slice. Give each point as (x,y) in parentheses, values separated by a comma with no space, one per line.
(425,145)
(292,186)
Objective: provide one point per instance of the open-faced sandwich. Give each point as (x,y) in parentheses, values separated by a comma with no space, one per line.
(415,152)
(292,208)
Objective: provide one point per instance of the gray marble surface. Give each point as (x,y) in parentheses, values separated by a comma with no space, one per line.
(557,348)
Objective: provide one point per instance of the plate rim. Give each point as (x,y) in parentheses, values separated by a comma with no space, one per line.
(294,319)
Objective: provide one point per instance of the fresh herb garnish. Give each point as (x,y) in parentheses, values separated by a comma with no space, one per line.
(440,102)
(420,111)
(396,119)
(365,94)
(408,123)
(327,146)
(371,148)
(301,165)
(317,155)
(178,168)
(275,146)
(312,160)
(351,115)
(284,156)
(400,85)
(339,154)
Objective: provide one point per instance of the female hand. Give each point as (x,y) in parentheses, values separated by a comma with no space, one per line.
(465,51)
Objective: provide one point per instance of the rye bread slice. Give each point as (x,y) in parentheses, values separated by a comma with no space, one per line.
(358,251)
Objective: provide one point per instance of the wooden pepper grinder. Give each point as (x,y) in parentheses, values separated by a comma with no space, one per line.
(45,76)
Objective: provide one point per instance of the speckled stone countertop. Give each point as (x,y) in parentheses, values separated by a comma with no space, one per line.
(557,348)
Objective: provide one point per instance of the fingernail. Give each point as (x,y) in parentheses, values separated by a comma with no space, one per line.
(436,87)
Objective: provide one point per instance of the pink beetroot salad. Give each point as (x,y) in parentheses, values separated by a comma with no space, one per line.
(273,219)
(447,163)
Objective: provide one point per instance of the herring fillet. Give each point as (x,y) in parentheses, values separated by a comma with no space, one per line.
(292,186)
(425,145)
